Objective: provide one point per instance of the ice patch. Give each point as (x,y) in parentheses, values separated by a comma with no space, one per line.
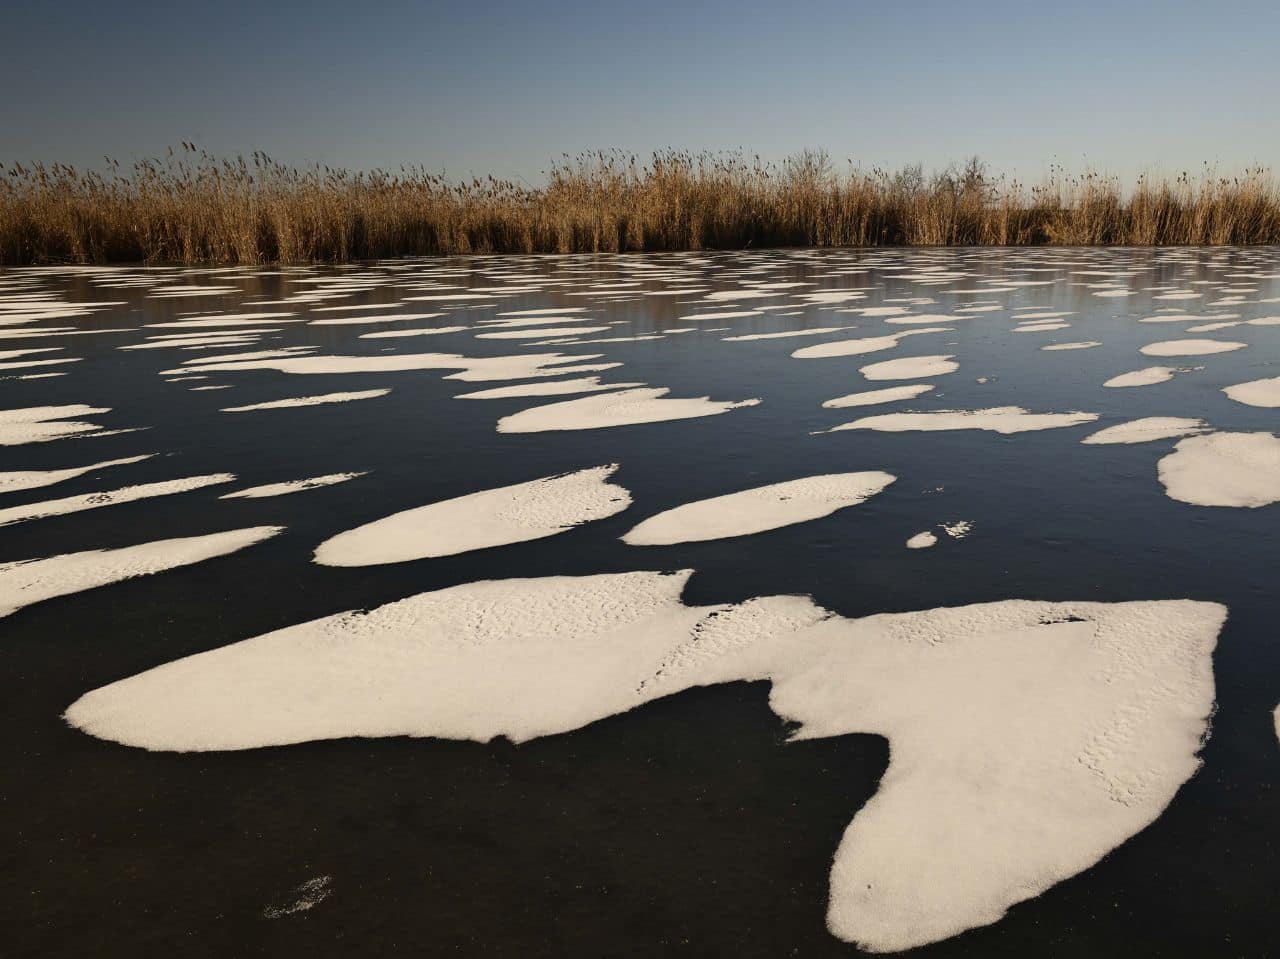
(1083,345)
(35,580)
(1264,393)
(541,331)
(759,509)
(40,424)
(297,401)
(1000,419)
(586,384)
(1190,347)
(891,394)
(866,344)
(1146,377)
(910,368)
(623,408)
(17,480)
(1224,469)
(1146,430)
(1039,327)
(401,334)
(785,334)
(493,517)
(127,494)
(291,486)
(922,540)
(1027,739)
(471,369)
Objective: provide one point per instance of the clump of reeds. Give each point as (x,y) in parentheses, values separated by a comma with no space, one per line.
(191,207)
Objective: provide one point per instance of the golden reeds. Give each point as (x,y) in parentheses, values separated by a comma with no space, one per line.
(191,207)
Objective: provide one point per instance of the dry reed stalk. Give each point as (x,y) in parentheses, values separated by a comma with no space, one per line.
(192,207)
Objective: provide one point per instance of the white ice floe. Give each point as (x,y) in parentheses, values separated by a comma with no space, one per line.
(469,369)
(1039,327)
(320,400)
(30,364)
(785,334)
(622,408)
(866,344)
(541,331)
(492,517)
(1000,419)
(1265,393)
(16,480)
(731,315)
(1224,469)
(1083,345)
(369,320)
(40,424)
(1027,739)
(402,334)
(1146,377)
(545,311)
(923,319)
(910,368)
(127,494)
(922,540)
(291,486)
(585,384)
(759,509)
(1190,347)
(539,321)
(1189,317)
(1146,430)
(35,580)
(890,394)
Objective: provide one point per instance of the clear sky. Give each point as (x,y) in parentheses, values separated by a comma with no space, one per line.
(477,87)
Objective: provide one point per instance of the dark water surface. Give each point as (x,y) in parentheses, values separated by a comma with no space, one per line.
(688,826)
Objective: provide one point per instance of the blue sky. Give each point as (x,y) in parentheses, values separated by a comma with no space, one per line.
(1123,86)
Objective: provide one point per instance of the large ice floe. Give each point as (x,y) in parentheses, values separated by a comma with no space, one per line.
(759,509)
(1191,347)
(492,517)
(1027,739)
(1224,469)
(1264,393)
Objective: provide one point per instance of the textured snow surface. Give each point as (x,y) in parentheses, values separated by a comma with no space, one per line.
(1027,739)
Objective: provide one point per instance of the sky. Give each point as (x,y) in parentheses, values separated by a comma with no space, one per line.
(1124,86)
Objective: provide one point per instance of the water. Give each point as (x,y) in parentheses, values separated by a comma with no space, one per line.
(689,825)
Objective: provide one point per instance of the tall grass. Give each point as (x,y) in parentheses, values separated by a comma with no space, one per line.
(191,207)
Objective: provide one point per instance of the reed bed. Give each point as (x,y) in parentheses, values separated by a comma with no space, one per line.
(190,207)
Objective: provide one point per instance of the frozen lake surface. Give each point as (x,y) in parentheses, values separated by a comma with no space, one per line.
(765,603)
